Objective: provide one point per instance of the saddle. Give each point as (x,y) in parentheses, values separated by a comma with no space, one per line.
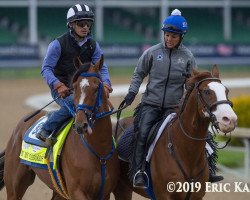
(127,140)
(35,152)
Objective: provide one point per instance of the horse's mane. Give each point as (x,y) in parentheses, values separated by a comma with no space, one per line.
(83,68)
(190,86)
(197,77)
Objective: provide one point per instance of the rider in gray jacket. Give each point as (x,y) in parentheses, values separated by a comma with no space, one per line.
(167,66)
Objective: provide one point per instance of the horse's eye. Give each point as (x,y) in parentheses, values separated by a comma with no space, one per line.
(206,92)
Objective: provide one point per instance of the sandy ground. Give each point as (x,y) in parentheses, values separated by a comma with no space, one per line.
(12,108)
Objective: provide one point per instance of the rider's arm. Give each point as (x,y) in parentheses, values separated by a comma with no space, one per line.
(49,63)
(141,71)
(193,63)
(104,70)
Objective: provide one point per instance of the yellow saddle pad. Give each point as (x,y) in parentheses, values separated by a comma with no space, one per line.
(34,155)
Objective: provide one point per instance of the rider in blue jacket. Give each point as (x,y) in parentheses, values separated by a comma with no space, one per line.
(58,67)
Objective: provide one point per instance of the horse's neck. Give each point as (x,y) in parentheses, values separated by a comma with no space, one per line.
(195,127)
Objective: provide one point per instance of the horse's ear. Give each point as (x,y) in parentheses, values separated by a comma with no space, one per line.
(194,72)
(99,63)
(215,71)
(77,62)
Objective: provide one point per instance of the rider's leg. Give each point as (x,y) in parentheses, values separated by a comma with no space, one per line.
(56,118)
(149,115)
(212,165)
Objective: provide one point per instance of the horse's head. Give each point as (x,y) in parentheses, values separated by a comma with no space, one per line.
(212,97)
(88,88)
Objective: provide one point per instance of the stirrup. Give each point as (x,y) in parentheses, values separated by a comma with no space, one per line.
(47,141)
(145,175)
(42,135)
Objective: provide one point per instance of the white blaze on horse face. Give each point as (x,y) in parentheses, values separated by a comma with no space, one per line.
(83,84)
(224,113)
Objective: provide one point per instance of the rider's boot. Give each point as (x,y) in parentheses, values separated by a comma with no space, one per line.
(140,178)
(213,178)
(43,135)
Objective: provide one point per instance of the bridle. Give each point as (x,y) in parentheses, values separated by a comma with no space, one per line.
(208,107)
(93,112)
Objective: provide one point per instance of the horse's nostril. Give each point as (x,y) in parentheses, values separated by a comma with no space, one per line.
(226,119)
(85,126)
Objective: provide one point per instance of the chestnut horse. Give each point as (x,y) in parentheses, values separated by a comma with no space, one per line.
(89,161)
(179,155)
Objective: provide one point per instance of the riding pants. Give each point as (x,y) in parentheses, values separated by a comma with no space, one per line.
(59,116)
(149,115)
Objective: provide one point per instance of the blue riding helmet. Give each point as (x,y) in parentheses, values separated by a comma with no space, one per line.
(175,23)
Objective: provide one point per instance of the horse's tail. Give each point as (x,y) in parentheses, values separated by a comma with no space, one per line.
(2,155)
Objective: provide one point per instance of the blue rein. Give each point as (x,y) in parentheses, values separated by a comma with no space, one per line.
(102,160)
(95,114)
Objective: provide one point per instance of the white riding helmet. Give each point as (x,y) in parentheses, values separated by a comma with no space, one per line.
(79,12)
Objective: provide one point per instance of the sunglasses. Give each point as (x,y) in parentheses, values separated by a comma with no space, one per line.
(84,23)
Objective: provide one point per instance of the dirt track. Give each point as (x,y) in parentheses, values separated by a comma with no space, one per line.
(13,95)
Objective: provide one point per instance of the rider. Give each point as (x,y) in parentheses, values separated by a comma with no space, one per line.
(166,64)
(58,67)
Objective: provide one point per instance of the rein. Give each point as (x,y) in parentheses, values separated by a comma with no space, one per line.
(103,161)
(95,113)
(92,117)
(171,151)
(208,108)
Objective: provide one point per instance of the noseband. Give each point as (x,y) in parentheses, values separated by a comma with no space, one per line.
(208,107)
(91,116)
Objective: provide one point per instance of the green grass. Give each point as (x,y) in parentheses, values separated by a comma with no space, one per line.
(231,71)
(231,159)
(128,112)
(10,73)
(121,71)
(20,73)
(226,68)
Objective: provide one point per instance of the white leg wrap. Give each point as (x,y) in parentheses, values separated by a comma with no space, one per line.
(209,149)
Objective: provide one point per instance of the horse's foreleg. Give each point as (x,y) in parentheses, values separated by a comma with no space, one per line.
(122,191)
(57,196)
(78,194)
(17,179)
(2,155)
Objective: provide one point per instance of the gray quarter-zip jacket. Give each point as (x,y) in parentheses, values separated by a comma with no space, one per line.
(165,68)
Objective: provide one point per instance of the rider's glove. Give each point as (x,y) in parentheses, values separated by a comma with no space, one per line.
(129,98)
(62,90)
(107,89)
